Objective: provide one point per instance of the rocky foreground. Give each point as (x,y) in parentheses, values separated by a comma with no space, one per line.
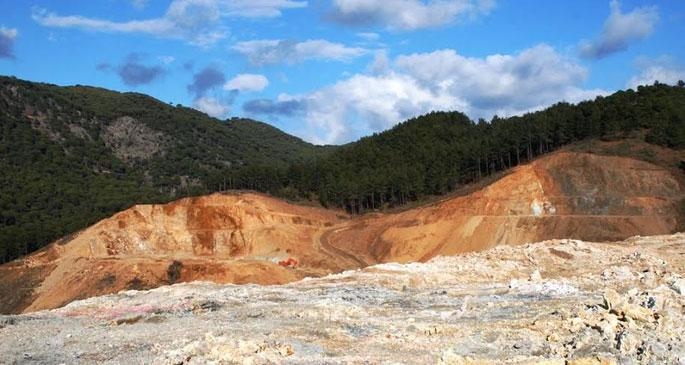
(560,301)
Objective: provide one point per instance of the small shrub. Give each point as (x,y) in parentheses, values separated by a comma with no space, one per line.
(174,271)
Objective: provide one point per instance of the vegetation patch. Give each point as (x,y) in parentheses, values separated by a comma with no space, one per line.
(174,271)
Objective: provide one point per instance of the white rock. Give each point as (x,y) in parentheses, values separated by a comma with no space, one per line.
(535,275)
(678,285)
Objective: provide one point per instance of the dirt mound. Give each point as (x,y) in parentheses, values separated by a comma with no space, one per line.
(223,238)
(251,238)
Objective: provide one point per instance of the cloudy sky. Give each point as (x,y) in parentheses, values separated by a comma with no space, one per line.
(333,71)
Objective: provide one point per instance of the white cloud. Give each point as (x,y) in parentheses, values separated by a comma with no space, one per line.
(7,37)
(211,106)
(247,82)
(499,84)
(620,29)
(362,103)
(442,80)
(407,14)
(380,64)
(197,21)
(369,36)
(663,69)
(273,51)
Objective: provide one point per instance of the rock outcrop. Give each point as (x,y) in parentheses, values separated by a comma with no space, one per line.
(554,302)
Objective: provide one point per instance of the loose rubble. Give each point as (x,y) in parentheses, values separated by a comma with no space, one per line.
(554,302)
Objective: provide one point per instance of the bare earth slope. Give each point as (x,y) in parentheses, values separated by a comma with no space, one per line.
(563,195)
(560,301)
(251,238)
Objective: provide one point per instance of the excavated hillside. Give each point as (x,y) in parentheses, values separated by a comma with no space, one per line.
(564,195)
(251,238)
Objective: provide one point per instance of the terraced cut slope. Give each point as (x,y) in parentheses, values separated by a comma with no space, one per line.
(251,238)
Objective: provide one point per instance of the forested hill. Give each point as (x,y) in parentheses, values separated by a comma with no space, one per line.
(439,152)
(71,156)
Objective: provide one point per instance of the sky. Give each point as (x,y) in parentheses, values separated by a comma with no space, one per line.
(333,71)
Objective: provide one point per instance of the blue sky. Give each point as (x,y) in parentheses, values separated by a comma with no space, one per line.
(333,71)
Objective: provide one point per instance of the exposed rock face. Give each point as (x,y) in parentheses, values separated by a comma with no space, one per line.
(242,238)
(557,302)
(130,139)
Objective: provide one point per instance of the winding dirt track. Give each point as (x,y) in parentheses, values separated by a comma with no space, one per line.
(322,242)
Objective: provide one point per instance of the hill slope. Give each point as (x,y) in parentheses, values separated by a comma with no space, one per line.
(242,238)
(441,151)
(77,154)
(73,155)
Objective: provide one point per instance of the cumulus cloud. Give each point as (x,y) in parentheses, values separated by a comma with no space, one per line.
(7,37)
(205,80)
(442,80)
(197,21)
(247,82)
(407,14)
(663,69)
(133,72)
(621,29)
(211,106)
(273,51)
(499,84)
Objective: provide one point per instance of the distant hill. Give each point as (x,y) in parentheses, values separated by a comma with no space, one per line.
(442,152)
(71,156)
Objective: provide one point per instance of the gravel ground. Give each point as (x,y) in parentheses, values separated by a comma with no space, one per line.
(562,301)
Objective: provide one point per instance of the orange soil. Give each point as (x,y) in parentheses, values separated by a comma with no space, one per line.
(242,238)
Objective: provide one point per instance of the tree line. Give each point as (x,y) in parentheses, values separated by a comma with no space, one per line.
(441,151)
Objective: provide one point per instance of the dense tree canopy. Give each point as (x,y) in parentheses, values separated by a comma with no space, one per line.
(438,152)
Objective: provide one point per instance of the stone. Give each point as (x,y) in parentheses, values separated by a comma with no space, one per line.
(627,342)
(592,361)
(612,299)
(678,285)
(535,276)
(637,312)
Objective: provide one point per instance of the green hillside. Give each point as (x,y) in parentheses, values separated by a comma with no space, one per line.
(439,152)
(71,156)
